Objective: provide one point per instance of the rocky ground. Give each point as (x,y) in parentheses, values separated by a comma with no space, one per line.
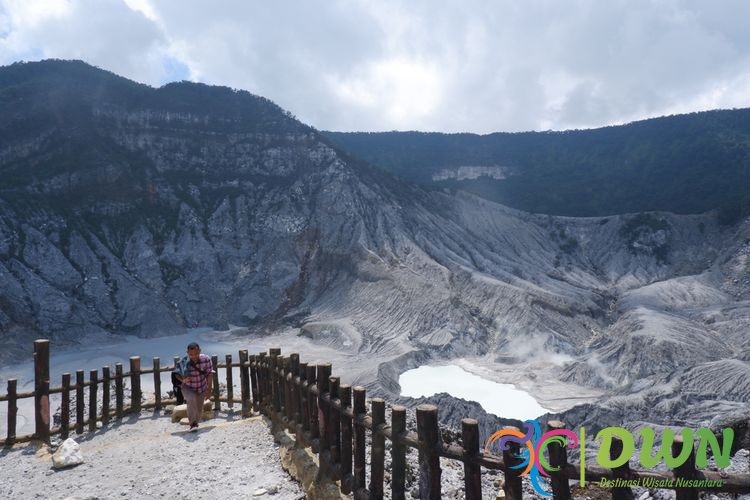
(150,457)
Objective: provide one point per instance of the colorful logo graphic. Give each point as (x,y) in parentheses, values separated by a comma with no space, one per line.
(533,454)
(533,443)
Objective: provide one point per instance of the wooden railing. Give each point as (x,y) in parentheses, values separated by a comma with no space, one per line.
(332,419)
(104,384)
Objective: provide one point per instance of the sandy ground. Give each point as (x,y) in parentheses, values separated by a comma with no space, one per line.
(148,456)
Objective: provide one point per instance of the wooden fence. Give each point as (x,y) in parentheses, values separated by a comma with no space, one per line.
(332,419)
(104,384)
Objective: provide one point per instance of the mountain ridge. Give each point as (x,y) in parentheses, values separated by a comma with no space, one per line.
(689,163)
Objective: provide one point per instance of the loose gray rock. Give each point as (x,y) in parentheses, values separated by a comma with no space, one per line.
(67,455)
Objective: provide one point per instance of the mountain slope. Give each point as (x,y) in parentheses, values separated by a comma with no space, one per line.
(131,210)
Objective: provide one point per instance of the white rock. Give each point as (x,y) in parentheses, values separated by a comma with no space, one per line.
(67,455)
(259,492)
(180,411)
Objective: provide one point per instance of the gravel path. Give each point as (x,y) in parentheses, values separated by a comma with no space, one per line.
(148,456)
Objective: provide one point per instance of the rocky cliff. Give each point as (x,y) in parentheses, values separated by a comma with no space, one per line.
(126,209)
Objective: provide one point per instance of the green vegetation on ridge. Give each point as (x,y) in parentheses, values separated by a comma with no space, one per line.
(685,164)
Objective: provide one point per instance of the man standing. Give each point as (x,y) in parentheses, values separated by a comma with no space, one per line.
(196,374)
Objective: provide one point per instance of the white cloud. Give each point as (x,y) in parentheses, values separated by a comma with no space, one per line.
(32,14)
(482,66)
(402,90)
(144,7)
(105,33)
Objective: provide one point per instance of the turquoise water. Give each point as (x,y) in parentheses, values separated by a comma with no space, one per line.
(503,400)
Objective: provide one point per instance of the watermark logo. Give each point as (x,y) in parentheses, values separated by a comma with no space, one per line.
(533,443)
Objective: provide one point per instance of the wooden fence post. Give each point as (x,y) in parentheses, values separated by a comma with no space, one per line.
(157,383)
(429,459)
(335,420)
(12,411)
(230,380)
(294,412)
(558,457)
(377,464)
(65,407)
(345,396)
(273,354)
(285,374)
(79,401)
(621,472)
(41,389)
(135,383)
(176,361)
(472,472)
(324,380)
(304,409)
(312,407)
(106,382)
(263,394)
(93,389)
(245,383)
(254,385)
(264,381)
(273,390)
(278,373)
(286,390)
(360,411)
(119,392)
(262,386)
(216,393)
(686,471)
(513,486)
(278,369)
(398,453)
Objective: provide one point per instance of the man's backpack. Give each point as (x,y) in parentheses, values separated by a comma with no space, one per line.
(177,389)
(182,368)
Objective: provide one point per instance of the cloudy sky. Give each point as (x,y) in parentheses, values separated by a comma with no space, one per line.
(452,65)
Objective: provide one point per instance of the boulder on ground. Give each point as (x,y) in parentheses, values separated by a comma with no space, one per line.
(67,455)
(180,411)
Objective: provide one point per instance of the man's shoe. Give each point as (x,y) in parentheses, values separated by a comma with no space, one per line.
(194,427)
